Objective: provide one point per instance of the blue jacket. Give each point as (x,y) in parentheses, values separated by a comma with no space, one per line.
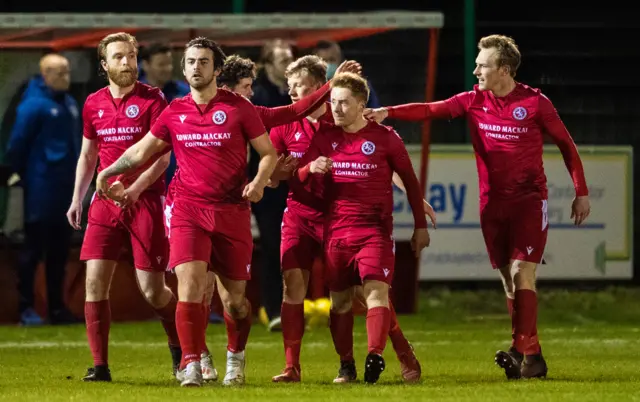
(44,149)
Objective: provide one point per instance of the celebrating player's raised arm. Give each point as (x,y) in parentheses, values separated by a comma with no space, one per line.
(272,117)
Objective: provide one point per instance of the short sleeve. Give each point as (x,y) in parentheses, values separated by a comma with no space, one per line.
(88,131)
(158,105)
(277,139)
(160,128)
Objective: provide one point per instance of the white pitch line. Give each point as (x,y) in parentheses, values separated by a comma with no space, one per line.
(609,342)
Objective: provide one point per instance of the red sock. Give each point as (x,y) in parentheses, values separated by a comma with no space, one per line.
(377,328)
(238,330)
(167,316)
(207,310)
(341,326)
(526,308)
(98,318)
(189,322)
(399,342)
(512,314)
(292,316)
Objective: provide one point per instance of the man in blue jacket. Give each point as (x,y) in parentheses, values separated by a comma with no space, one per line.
(43,150)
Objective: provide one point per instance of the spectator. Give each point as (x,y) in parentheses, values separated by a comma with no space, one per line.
(270,90)
(157,69)
(331,52)
(43,150)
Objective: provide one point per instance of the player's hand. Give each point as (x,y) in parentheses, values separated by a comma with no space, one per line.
(321,165)
(284,168)
(74,215)
(253,191)
(129,197)
(428,210)
(349,66)
(376,115)
(580,209)
(420,240)
(101,185)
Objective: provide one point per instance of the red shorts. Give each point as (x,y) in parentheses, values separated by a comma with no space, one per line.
(221,237)
(301,241)
(515,230)
(111,227)
(353,260)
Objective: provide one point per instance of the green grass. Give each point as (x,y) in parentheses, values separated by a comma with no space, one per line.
(591,341)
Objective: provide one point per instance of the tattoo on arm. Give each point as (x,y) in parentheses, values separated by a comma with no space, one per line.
(122,165)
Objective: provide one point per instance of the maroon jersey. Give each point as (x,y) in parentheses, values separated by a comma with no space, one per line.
(210,145)
(294,139)
(117,125)
(358,191)
(507,134)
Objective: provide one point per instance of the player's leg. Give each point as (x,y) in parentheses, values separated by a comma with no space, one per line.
(97,315)
(339,277)
(298,249)
(529,222)
(101,247)
(150,246)
(341,326)
(409,365)
(192,277)
(495,231)
(190,254)
(376,262)
(237,318)
(155,291)
(209,372)
(231,258)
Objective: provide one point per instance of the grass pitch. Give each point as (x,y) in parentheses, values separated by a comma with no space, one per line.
(591,341)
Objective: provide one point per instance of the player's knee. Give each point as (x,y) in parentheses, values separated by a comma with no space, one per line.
(96,288)
(341,302)
(376,294)
(235,304)
(294,289)
(157,297)
(523,274)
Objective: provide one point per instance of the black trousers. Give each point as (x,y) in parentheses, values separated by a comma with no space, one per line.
(52,242)
(268,213)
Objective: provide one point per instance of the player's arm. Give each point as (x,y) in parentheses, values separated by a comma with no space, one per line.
(400,162)
(151,174)
(85,168)
(134,157)
(428,209)
(312,162)
(553,126)
(453,107)
(268,159)
(277,116)
(256,134)
(87,161)
(285,164)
